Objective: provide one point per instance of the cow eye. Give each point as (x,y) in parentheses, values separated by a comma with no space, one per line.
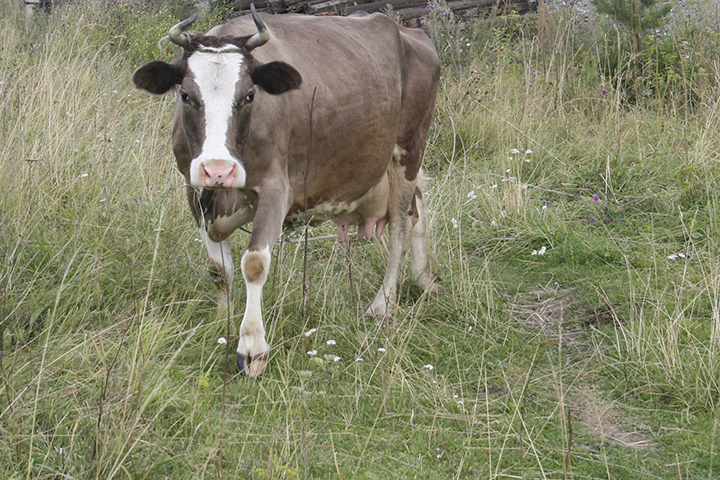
(185,98)
(250,97)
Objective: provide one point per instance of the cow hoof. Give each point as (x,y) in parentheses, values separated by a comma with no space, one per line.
(252,366)
(428,282)
(379,312)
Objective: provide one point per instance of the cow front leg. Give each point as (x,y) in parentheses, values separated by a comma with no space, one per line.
(253,351)
(222,270)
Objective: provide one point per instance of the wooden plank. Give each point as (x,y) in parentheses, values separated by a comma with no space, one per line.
(327,7)
(381,5)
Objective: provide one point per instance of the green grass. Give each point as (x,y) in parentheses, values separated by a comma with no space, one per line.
(605,347)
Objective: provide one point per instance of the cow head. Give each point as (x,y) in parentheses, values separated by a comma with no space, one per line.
(217,78)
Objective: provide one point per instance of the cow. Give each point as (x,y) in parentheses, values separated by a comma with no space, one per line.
(284,115)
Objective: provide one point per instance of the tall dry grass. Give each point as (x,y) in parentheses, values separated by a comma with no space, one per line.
(110,364)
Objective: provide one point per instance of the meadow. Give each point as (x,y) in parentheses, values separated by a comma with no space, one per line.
(575,229)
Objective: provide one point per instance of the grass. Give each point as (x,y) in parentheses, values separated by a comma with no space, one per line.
(597,359)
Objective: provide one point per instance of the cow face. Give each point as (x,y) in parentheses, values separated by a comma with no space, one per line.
(218,79)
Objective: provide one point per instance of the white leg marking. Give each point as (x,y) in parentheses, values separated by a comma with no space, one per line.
(253,350)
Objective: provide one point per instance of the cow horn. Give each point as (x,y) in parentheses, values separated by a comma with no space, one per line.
(177,35)
(263,35)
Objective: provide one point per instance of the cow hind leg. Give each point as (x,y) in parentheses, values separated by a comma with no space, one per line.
(221,268)
(422,275)
(399,233)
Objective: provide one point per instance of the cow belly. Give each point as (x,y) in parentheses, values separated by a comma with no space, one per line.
(367,212)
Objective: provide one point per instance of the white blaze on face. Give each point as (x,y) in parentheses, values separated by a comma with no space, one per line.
(216,74)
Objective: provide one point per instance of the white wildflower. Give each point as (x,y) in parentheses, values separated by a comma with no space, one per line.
(472,195)
(199,240)
(542,251)
(493,223)
(331,342)
(428,367)
(222,341)
(528,152)
(494,185)
(83,175)
(359,359)
(310,332)
(382,350)
(336,359)
(514,151)
(454,222)
(311,353)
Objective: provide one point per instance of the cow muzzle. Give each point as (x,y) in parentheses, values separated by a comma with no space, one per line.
(219,174)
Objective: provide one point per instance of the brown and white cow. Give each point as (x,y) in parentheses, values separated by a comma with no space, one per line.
(329,117)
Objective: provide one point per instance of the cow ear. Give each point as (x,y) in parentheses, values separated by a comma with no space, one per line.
(157,77)
(276,77)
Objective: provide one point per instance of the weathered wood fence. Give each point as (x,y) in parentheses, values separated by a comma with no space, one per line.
(410,12)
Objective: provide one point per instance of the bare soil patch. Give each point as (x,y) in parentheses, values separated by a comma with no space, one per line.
(548,311)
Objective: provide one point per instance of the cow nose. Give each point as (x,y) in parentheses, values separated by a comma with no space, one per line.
(218,173)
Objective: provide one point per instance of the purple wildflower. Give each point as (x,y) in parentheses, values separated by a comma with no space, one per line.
(479,100)
(429,7)
(596,198)
(604,91)
(443,14)
(422,23)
